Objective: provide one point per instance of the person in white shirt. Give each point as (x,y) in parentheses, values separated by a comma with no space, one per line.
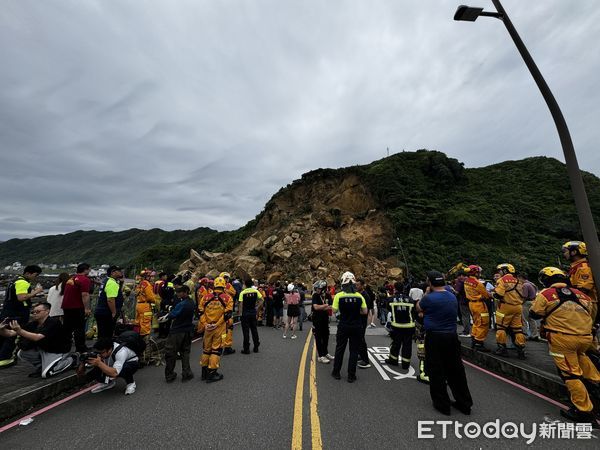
(114,361)
(55,295)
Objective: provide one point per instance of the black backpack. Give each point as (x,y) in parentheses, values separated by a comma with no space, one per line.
(132,341)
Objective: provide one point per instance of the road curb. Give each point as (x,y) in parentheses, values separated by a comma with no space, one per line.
(22,400)
(545,383)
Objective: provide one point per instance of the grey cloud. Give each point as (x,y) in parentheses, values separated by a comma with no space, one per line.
(111,118)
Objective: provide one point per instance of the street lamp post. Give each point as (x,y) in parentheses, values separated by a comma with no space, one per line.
(586,220)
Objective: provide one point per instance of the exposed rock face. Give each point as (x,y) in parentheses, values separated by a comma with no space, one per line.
(317,227)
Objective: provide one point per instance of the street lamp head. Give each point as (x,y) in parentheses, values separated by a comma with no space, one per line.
(467,13)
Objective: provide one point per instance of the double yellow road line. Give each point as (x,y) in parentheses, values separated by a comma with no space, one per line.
(315,423)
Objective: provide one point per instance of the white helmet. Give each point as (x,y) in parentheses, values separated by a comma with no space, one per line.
(290,287)
(348,277)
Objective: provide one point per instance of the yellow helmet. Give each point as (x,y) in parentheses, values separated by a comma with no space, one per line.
(220,283)
(224,275)
(577,246)
(506,268)
(551,275)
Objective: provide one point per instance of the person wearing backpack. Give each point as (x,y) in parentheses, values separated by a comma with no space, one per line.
(17,305)
(567,323)
(114,360)
(179,339)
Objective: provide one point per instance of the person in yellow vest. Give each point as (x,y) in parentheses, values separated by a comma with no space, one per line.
(477,295)
(145,298)
(229,290)
(567,323)
(191,284)
(216,309)
(580,274)
(508,292)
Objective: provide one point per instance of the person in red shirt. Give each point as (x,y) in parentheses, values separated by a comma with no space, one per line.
(76,306)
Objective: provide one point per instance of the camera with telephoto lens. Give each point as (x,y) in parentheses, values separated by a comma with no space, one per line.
(83,357)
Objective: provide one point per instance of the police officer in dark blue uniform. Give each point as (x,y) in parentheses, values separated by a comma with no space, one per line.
(351,306)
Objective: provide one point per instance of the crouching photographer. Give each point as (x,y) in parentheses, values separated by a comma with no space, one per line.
(111,360)
(43,342)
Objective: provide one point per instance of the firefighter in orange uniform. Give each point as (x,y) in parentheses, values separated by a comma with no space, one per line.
(144,296)
(508,292)
(477,294)
(580,273)
(230,290)
(216,309)
(567,323)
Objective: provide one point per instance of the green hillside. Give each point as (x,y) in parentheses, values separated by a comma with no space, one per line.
(516,211)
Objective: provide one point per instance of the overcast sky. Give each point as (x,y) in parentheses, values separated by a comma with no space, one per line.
(179,114)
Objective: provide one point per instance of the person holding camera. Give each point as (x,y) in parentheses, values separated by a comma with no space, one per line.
(43,344)
(17,305)
(111,360)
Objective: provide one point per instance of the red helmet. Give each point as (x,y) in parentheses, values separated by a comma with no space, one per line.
(204,281)
(474,269)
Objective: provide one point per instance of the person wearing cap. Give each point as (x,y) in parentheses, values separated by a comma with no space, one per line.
(443,362)
(110,302)
(351,306)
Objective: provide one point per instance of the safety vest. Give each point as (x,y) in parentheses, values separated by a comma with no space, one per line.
(402,313)
(249,300)
(12,305)
(102,305)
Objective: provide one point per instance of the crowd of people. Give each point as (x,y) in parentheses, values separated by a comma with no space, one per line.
(178,308)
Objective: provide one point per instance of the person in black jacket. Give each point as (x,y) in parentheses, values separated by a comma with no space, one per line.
(179,339)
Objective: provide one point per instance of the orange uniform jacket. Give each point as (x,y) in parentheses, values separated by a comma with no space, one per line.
(474,290)
(570,318)
(508,288)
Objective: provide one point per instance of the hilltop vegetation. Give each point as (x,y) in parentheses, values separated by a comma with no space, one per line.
(441,213)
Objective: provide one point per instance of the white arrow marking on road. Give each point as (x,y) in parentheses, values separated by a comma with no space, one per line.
(410,374)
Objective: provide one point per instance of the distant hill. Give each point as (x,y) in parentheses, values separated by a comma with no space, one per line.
(440,213)
(127,247)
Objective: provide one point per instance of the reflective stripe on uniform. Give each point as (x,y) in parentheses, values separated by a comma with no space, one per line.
(558,355)
(406,359)
(484,314)
(403,325)
(499,314)
(393,357)
(420,345)
(148,313)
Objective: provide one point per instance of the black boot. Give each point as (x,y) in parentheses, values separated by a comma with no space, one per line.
(501,350)
(228,351)
(391,362)
(476,345)
(521,353)
(213,376)
(204,373)
(579,416)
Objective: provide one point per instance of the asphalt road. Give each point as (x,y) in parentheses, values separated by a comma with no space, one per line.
(261,404)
